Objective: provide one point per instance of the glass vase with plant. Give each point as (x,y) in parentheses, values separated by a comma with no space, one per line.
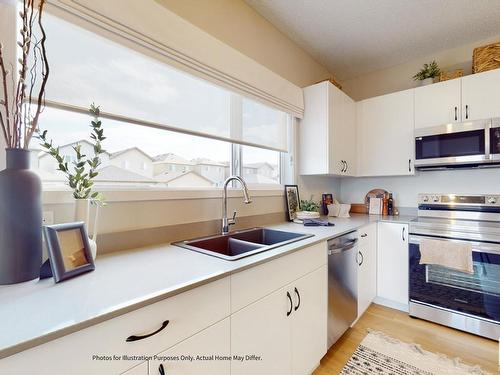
(81,173)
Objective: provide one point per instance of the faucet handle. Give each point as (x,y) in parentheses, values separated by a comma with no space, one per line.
(233,219)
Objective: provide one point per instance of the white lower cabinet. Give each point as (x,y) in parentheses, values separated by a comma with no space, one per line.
(263,329)
(287,329)
(367,270)
(392,265)
(142,369)
(207,353)
(309,320)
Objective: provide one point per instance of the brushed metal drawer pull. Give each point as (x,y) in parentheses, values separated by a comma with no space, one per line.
(137,338)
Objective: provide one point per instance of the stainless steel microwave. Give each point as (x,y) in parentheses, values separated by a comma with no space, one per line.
(459,145)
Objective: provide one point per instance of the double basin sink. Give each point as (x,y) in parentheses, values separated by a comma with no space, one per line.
(243,243)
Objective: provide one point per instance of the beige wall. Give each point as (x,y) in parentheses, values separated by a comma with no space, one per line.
(400,77)
(238,25)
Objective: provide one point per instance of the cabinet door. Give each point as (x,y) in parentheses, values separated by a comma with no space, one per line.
(344,142)
(313,130)
(196,355)
(385,135)
(392,264)
(437,104)
(367,272)
(480,99)
(142,369)
(263,329)
(309,321)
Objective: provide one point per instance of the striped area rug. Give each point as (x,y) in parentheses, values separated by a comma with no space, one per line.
(379,354)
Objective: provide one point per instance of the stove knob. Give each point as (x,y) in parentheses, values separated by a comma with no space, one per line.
(435,199)
(492,200)
(425,198)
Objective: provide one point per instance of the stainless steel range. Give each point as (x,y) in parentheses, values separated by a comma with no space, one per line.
(469,302)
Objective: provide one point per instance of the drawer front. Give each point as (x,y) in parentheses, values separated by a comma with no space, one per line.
(142,369)
(91,350)
(250,285)
(212,345)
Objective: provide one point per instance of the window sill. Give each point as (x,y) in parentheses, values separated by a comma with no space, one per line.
(63,195)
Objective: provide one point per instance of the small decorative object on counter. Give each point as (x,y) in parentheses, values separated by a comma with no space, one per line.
(309,205)
(69,251)
(292,201)
(428,73)
(486,58)
(390,205)
(326,199)
(385,205)
(22,102)
(302,215)
(375,206)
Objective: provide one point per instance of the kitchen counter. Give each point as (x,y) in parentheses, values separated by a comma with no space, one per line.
(40,311)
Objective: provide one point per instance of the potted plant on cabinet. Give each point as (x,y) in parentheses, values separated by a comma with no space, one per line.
(21,103)
(81,173)
(428,73)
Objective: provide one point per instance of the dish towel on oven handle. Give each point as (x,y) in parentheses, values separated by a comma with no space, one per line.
(451,254)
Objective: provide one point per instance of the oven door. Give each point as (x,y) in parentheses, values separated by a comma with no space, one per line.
(476,294)
(453,144)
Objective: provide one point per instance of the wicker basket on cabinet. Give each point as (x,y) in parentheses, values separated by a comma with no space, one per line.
(486,58)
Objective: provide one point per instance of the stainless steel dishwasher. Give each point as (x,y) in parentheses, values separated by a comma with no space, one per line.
(342,285)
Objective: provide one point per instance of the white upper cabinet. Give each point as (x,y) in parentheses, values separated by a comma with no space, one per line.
(437,104)
(328,132)
(385,135)
(480,95)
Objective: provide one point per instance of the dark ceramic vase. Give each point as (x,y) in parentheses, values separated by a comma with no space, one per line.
(20,220)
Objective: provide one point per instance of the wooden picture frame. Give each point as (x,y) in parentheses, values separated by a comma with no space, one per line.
(292,200)
(69,250)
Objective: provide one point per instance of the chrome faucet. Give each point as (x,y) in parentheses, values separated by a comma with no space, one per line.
(225,221)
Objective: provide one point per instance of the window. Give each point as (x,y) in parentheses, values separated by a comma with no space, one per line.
(163,128)
(260,166)
(123,164)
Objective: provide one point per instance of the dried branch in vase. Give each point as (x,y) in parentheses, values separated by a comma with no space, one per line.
(20,112)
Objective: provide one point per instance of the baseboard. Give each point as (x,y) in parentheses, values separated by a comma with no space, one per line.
(392,304)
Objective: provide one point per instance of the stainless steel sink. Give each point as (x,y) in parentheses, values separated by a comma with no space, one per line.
(243,243)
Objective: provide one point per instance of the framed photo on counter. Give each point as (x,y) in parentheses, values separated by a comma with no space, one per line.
(292,201)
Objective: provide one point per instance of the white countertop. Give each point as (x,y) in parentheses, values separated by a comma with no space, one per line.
(36,312)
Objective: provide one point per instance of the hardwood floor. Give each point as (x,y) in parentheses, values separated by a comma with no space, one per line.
(432,337)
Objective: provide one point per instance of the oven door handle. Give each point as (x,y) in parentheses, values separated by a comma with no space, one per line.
(478,247)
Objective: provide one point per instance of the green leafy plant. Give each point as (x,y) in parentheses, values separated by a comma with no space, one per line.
(430,70)
(309,205)
(83,170)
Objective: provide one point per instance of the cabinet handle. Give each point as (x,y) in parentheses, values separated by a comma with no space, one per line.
(346,166)
(456,113)
(362,258)
(403,234)
(342,166)
(291,304)
(364,235)
(137,338)
(298,295)
(161,369)
(409,165)
(466,111)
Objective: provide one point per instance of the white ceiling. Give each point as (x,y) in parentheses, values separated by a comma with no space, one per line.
(355,37)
